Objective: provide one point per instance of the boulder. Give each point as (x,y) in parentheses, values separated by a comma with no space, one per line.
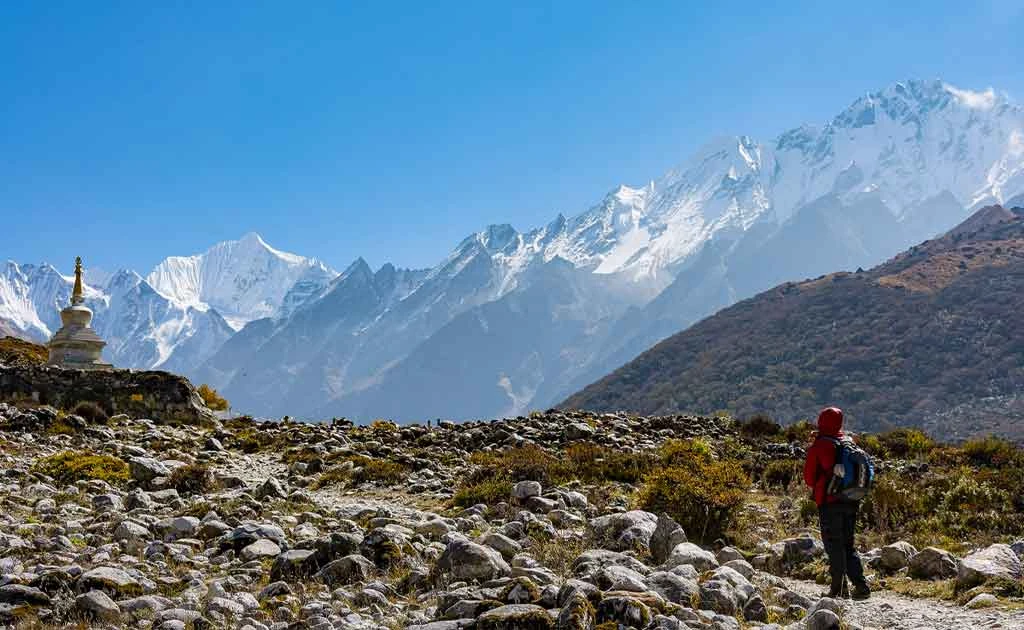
(796,552)
(110,580)
(725,592)
(347,570)
(262,548)
(146,469)
(625,531)
(667,534)
(823,619)
(515,617)
(293,564)
(526,489)
(689,553)
(932,563)
(996,561)
(465,560)
(896,556)
(674,588)
(18,594)
(97,605)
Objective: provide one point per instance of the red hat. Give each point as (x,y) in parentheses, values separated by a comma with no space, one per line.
(830,421)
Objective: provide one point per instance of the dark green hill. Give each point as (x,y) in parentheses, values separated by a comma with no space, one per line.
(933,337)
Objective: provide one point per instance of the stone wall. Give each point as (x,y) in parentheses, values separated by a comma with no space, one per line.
(160,396)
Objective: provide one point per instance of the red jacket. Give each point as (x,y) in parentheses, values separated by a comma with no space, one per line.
(821,456)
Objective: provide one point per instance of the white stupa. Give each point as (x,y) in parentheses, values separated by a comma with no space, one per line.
(76,345)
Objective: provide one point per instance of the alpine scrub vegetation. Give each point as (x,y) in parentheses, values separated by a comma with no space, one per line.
(212,399)
(69,467)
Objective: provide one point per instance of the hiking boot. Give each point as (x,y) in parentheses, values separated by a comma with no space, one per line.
(834,592)
(861,591)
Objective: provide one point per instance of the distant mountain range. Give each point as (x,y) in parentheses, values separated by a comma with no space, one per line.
(931,338)
(511,321)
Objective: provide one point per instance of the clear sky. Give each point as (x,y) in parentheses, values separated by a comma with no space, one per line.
(392,130)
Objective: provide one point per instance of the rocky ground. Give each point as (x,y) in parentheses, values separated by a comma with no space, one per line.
(307,526)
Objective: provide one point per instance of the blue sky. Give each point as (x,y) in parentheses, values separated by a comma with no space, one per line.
(130,132)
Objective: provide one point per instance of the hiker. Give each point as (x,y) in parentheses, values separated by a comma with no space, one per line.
(837,515)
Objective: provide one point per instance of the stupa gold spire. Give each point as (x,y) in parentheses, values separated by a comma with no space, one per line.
(76,294)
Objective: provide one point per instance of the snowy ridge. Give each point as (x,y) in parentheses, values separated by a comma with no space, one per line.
(243,280)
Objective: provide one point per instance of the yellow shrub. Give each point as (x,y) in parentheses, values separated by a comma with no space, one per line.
(212,399)
(69,467)
(704,498)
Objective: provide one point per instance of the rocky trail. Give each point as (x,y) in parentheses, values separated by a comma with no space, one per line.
(283,526)
(890,611)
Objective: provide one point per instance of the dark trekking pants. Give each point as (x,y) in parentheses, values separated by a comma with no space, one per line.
(837,527)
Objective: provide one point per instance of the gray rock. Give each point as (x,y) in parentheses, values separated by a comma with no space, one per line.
(347,570)
(109,580)
(672,587)
(526,489)
(507,547)
(689,553)
(515,617)
(823,620)
(97,605)
(932,563)
(262,548)
(625,531)
(465,560)
(146,469)
(982,600)
(667,534)
(293,564)
(896,556)
(997,561)
(17,594)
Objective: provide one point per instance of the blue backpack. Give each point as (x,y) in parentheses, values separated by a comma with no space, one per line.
(858,471)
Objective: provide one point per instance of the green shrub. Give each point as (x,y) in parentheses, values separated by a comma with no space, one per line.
(782,472)
(192,479)
(380,470)
(489,490)
(799,432)
(992,451)
(70,467)
(91,412)
(971,505)
(591,463)
(212,399)
(759,426)
(704,497)
(906,443)
(892,503)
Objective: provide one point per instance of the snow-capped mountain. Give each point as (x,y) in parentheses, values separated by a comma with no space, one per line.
(243,280)
(513,320)
(895,168)
(178,326)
